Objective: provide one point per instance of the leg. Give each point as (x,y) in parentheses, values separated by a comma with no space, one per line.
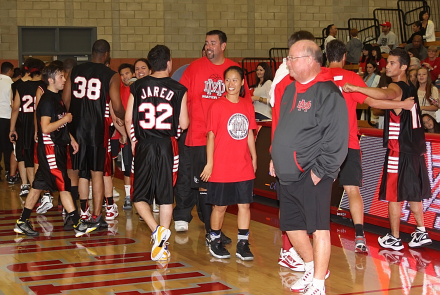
(321,253)
(144,211)
(30,174)
(23,175)
(32,198)
(66,199)
(417,210)
(217,216)
(206,209)
(14,165)
(394,210)
(356,203)
(83,188)
(243,216)
(301,242)
(166,213)
(98,191)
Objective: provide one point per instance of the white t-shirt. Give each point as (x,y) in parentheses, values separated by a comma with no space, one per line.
(328,39)
(385,41)
(5,96)
(263,91)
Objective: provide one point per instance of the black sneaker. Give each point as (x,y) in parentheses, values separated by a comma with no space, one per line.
(225,239)
(419,239)
(68,223)
(7,174)
(217,249)
(24,190)
(243,252)
(128,205)
(13,179)
(100,220)
(207,239)
(84,227)
(25,228)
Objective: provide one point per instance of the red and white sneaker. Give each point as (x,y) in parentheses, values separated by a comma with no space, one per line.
(86,215)
(112,212)
(312,290)
(302,284)
(291,259)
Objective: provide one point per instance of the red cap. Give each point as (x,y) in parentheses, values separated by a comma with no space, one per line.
(386,24)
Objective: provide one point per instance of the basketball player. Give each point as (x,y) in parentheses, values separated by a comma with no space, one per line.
(405,176)
(156,107)
(24,131)
(87,95)
(53,136)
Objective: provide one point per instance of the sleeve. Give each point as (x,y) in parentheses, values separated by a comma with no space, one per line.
(213,119)
(349,46)
(375,81)
(333,119)
(430,34)
(434,93)
(46,108)
(266,88)
(186,81)
(392,40)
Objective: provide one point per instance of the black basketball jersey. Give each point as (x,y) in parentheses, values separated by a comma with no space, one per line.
(14,87)
(27,92)
(156,107)
(89,97)
(51,105)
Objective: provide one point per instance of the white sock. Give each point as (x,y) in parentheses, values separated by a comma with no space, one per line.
(421,228)
(308,266)
(318,283)
(127,190)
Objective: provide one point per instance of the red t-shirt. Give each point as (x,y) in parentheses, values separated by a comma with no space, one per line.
(381,64)
(340,77)
(230,123)
(436,67)
(204,82)
(278,95)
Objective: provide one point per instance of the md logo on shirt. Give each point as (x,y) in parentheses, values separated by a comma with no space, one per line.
(214,85)
(238,126)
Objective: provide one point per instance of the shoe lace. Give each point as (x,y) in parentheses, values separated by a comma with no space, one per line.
(245,246)
(29,224)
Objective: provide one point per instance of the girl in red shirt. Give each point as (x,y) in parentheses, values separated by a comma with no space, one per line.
(231,162)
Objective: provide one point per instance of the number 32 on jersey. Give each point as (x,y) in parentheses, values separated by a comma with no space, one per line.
(151,121)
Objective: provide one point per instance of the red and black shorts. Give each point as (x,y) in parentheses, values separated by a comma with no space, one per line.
(156,163)
(52,170)
(36,153)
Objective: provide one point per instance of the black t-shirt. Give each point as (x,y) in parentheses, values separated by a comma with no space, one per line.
(156,107)
(51,105)
(89,97)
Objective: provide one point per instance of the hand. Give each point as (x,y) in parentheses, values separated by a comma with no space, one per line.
(254,164)
(114,133)
(123,139)
(272,169)
(36,137)
(119,122)
(68,117)
(349,88)
(133,146)
(315,178)
(408,103)
(255,98)
(206,174)
(13,136)
(74,145)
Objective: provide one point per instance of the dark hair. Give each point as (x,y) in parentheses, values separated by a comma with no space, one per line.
(378,53)
(68,64)
(335,50)
(144,60)
(221,35)
(402,55)
(327,30)
(428,83)
(268,74)
(124,66)
(25,67)
(418,23)
(422,13)
(100,46)
(17,72)
(158,56)
(300,35)
(369,48)
(436,124)
(354,32)
(35,67)
(376,70)
(384,81)
(58,63)
(51,71)
(415,52)
(6,66)
(240,72)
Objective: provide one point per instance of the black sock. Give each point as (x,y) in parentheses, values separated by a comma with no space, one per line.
(206,210)
(216,232)
(84,205)
(75,216)
(359,228)
(25,214)
(75,195)
(109,201)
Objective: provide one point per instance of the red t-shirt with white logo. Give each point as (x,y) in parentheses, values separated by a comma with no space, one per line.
(230,122)
(205,84)
(340,77)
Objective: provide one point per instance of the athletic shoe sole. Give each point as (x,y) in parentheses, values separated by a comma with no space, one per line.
(243,258)
(80,233)
(420,244)
(158,246)
(219,256)
(302,290)
(19,231)
(396,248)
(44,208)
(298,267)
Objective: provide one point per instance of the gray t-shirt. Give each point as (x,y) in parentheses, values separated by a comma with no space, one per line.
(386,40)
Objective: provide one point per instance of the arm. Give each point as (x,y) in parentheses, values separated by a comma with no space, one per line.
(48,127)
(393,91)
(407,104)
(184,117)
(129,116)
(67,92)
(115,97)
(252,149)
(207,171)
(120,128)
(14,116)
(37,100)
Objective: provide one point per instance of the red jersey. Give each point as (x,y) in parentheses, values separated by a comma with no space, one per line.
(204,82)
(340,77)
(278,95)
(381,64)
(230,123)
(435,64)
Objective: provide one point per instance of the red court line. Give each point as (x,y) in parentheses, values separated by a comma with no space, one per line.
(202,288)
(58,264)
(390,289)
(51,289)
(96,272)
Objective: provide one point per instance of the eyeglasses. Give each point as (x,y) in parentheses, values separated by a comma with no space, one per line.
(293,58)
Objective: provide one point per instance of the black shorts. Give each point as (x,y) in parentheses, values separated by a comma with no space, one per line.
(305,206)
(197,156)
(351,169)
(52,170)
(127,159)
(230,193)
(22,153)
(89,158)
(155,170)
(115,145)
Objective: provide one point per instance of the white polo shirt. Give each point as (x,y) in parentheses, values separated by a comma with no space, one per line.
(5,96)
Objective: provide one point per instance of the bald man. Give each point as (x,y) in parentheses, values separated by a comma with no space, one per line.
(309,145)
(417,43)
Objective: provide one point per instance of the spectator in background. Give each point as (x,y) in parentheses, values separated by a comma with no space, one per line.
(179,72)
(430,124)
(354,48)
(427,93)
(412,76)
(260,97)
(432,62)
(427,27)
(16,75)
(413,53)
(367,55)
(372,74)
(417,30)
(414,63)
(417,43)
(380,61)
(331,32)
(387,40)
(7,70)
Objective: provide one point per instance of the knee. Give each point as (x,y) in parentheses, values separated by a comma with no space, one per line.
(244,207)
(321,235)
(220,209)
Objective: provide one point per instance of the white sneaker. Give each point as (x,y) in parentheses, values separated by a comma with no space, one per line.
(419,239)
(90,192)
(46,204)
(155,206)
(312,290)
(159,239)
(115,193)
(112,212)
(181,225)
(86,215)
(303,282)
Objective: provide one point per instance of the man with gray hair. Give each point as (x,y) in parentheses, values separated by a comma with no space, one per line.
(309,145)
(414,64)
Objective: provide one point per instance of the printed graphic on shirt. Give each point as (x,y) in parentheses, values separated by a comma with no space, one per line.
(304,106)
(238,126)
(214,87)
